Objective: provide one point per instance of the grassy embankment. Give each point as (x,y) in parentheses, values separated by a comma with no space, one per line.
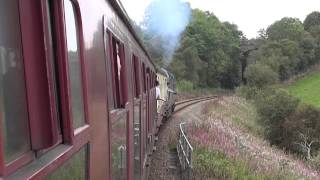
(212,163)
(307,89)
(228,145)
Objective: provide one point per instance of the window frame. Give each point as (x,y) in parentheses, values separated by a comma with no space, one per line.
(33,24)
(35,128)
(119,88)
(117,107)
(136,76)
(69,133)
(78,20)
(144,86)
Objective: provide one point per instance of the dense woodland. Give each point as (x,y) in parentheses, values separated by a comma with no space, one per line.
(209,52)
(287,48)
(214,54)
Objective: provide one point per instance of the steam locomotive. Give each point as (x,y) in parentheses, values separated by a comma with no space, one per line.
(78,92)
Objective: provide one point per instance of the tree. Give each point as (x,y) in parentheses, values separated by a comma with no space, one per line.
(315,32)
(313,19)
(308,52)
(286,28)
(263,34)
(260,75)
(273,109)
(312,25)
(283,57)
(302,130)
(246,47)
(186,62)
(306,143)
(288,123)
(215,49)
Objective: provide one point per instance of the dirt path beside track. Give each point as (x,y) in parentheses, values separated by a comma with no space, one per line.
(165,163)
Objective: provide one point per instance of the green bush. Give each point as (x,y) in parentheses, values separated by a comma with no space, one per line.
(303,126)
(287,122)
(254,93)
(185,86)
(260,75)
(248,92)
(274,107)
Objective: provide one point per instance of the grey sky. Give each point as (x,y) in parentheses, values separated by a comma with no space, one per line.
(249,15)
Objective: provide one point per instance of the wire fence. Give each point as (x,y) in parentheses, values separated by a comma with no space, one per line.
(184,149)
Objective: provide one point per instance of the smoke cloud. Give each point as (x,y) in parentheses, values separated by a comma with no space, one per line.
(167,19)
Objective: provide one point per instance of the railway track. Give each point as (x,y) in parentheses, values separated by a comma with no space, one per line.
(165,163)
(189,102)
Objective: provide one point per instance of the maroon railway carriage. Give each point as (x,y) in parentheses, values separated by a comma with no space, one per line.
(77,92)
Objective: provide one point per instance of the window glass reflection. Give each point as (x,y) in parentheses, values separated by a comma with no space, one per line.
(118,148)
(74,169)
(13,103)
(74,65)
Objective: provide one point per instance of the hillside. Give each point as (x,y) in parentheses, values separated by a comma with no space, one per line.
(307,89)
(228,145)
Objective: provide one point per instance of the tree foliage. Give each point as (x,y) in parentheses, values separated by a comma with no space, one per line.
(313,19)
(302,130)
(209,52)
(189,68)
(219,54)
(273,108)
(214,54)
(283,57)
(260,75)
(288,123)
(286,48)
(286,28)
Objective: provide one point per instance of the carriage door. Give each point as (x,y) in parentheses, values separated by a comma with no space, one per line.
(136,117)
(148,111)
(119,112)
(144,126)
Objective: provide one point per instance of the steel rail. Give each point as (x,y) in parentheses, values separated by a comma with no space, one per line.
(182,105)
(194,99)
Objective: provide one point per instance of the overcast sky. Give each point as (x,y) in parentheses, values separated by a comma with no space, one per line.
(249,15)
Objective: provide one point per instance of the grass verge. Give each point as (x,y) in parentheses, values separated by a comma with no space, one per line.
(239,111)
(307,89)
(210,163)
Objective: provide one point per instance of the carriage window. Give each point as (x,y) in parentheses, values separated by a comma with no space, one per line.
(13,103)
(144,78)
(53,62)
(119,147)
(136,76)
(148,79)
(74,65)
(119,74)
(74,168)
